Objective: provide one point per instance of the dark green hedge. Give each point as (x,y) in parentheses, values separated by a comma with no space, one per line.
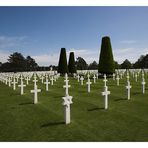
(106,61)
(71,64)
(62,66)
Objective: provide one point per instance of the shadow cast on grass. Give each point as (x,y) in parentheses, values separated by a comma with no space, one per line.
(136,93)
(26,103)
(53,124)
(15,93)
(96,108)
(121,99)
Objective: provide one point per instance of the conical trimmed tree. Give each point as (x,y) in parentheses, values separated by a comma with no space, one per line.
(62,66)
(106,61)
(71,64)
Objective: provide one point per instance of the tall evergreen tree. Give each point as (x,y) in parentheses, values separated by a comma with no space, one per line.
(31,64)
(106,61)
(93,65)
(126,64)
(62,66)
(81,64)
(117,65)
(17,62)
(71,64)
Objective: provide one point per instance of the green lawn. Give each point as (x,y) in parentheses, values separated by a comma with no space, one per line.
(125,120)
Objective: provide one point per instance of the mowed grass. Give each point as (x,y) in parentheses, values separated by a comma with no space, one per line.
(125,120)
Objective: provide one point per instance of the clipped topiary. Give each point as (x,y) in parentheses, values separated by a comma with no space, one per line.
(71,63)
(62,66)
(106,61)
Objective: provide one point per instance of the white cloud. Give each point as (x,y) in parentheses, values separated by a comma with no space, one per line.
(53,59)
(132,54)
(3,56)
(46,59)
(12,42)
(89,55)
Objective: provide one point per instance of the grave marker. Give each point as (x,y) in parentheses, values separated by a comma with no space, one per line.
(22,87)
(94,77)
(128,87)
(47,83)
(117,80)
(35,91)
(105,94)
(143,83)
(81,79)
(88,84)
(14,83)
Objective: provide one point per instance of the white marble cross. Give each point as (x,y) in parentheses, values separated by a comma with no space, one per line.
(17,78)
(88,85)
(97,75)
(94,77)
(121,75)
(22,87)
(6,81)
(47,83)
(105,80)
(142,75)
(133,74)
(113,76)
(128,87)
(105,94)
(21,77)
(117,80)
(66,103)
(78,77)
(14,83)
(81,79)
(55,78)
(52,79)
(27,80)
(136,77)
(35,80)
(143,83)
(42,79)
(35,91)
(88,76)
(9,81)
(66,86)
(143,86)
(127,77)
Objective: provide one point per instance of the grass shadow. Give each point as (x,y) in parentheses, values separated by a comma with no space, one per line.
(136,93)
(26,103)
(58,97)
(15,93)
(52,124)
(121,99)
(96,108)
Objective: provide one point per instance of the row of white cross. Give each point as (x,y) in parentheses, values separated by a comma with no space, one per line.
(81,78)
(105,93)
(36,90)
(67,99)
(128,82)
(22,85)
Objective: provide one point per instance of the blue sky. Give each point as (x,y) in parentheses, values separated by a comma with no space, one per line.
(42,31)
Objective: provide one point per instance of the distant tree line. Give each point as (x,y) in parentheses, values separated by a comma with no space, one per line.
(17,62)
(142,62)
